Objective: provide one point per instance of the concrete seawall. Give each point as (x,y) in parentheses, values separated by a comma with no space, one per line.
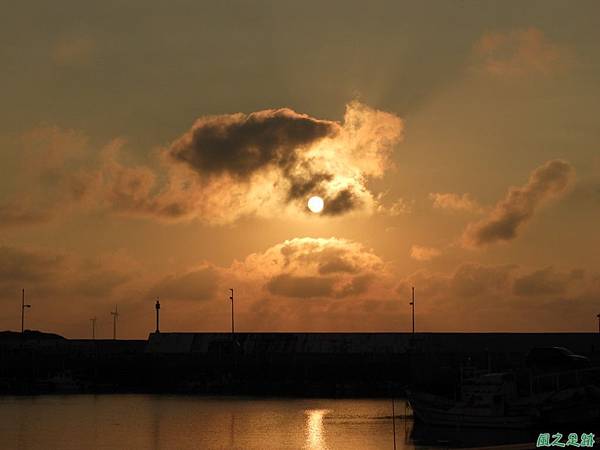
(332,364)
(374,343)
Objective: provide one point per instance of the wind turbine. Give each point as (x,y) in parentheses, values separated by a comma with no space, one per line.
(115,314)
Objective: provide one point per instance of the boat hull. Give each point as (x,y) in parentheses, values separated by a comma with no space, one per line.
(439,415)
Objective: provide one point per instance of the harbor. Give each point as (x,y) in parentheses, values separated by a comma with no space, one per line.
(297,364)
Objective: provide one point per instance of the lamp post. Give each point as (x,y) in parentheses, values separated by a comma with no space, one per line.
(157,306)
(23,306)
(232,320)
(412,303)
(93,320)
(115,314)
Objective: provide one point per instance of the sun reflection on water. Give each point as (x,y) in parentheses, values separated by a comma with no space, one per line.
(315,432)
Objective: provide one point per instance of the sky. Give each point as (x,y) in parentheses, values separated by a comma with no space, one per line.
(168,149)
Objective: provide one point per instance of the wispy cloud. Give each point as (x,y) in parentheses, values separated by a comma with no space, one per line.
(421,253)
(519,52)
(505,220)
(454,202)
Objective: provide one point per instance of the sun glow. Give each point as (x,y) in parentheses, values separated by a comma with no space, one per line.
(315,204)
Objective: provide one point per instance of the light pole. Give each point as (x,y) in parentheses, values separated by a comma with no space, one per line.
(93,320)
(157,306)
(232,321)
(115,314)
(412,303)
(598,316)
(23,306)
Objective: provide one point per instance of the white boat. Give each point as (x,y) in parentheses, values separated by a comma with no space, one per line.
(492,400)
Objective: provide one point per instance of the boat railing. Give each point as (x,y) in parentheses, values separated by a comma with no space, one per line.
(559,380)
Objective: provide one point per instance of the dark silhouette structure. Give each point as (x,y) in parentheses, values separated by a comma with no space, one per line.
(157,307)
(93,321)
(302,364)
(232,320)
(23,306)
(412,303)
(115,315)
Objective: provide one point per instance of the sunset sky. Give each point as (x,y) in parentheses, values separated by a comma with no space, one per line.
(169,149)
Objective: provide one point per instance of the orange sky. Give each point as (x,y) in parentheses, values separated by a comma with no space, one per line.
(171,151)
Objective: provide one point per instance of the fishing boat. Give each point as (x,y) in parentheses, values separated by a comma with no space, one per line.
(499,400)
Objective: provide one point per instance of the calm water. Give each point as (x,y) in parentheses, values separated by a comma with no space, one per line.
(188,422)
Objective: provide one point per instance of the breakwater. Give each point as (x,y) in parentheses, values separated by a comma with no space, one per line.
(304,364)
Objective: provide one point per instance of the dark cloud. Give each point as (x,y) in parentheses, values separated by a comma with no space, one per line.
(57,277)
(510,214)
(343,202)
(200,284)
(467,285)
(357,285)
(329,256)
(100,283)
(336,264)
(505,298)
(325,268)
(265,163)
(300,286)
(300,187)
(545,281)
(24,266)
(260,161)
(471,279)
(240,144)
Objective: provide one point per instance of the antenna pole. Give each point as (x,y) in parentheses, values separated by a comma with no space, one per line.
(22,311)
(23,306)
(115,314)
(232,320)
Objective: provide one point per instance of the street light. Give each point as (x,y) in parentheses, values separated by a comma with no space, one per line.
(232,321)
(23,306)
(412,303)
(157,306)
(93,321)
(115,315)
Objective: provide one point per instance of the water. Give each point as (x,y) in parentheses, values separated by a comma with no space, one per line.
(190,422)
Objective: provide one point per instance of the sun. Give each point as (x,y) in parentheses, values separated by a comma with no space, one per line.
(315,204)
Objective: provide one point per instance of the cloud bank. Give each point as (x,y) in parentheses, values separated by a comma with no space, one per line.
(305,268)
(298,284)
(266,163)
